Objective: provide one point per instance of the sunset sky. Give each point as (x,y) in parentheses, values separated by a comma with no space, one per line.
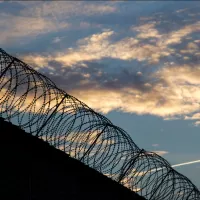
(138,63)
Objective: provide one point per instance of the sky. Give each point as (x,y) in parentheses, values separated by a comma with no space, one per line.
(137,63)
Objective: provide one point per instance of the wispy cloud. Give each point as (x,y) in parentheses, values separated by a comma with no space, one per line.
(34,19)
(63,10)
(15,27)
(100,46)
(161,153)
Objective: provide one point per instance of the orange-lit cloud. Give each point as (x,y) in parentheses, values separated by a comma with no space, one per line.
(161,153)
(176,93)
(147,31)
(170,92)
(99,46)
(46,17)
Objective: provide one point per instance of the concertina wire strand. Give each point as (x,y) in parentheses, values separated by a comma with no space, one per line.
(33,102)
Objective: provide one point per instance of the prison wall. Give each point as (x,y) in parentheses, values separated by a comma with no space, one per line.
(31,169)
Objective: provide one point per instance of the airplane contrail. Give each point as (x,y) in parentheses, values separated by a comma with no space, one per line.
(186,163)
(177,165)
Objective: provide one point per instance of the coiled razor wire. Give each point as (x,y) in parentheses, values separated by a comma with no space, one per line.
(34,103)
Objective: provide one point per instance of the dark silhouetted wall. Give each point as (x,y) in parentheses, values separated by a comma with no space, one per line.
(31,169)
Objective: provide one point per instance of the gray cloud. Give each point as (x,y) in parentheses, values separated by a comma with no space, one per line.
(124,69)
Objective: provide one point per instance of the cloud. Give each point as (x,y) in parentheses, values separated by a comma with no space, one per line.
(197,123)
(161,153)
(147,31)
(171,92)
(91,48)
(56,40)
(195,117)
(98,46)
(174,94)
(45,17)
(175,37)
(37,61)
(136,189)
(155,145)
(16,27)
(181,10)
(65,10)
(191,48)
(163,41)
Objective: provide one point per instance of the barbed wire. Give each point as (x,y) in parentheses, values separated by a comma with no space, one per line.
(34,103)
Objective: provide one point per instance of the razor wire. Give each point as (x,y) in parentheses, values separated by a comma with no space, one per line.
(35,104)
